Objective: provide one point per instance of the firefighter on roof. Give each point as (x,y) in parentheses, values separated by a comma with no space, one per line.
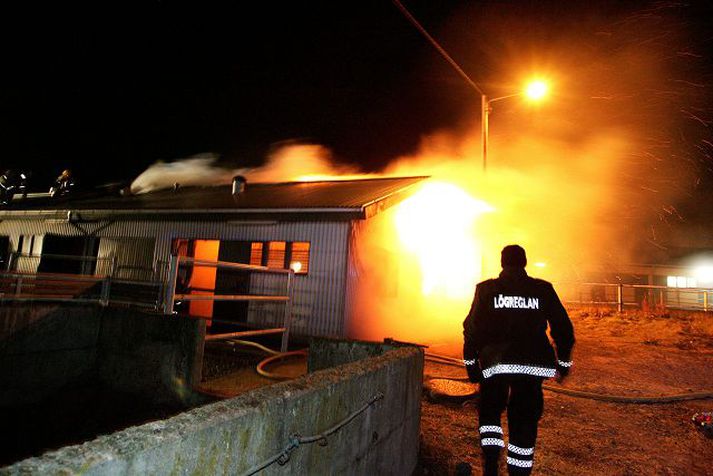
(62,184)
(506,350)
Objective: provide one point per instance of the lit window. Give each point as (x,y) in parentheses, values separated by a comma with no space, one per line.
(256,254)
(299,257)
(277,250)
(680,281)
(691,283)
(671,281)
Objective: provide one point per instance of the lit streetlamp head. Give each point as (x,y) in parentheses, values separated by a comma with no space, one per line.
(536,90)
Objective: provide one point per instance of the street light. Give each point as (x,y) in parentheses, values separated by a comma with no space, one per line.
(534,91)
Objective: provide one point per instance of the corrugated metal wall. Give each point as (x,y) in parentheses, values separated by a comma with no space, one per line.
(319,297)
(131,258)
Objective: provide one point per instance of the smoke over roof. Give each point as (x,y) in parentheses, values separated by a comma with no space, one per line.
(287,163)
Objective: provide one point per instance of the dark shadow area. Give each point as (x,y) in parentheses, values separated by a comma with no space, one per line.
(73,415)
(70,373)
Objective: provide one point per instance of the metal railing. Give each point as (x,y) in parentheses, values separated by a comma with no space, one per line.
(171,296)
(105,266)
(55,287)
(641,296)
(28,285)
(30,262)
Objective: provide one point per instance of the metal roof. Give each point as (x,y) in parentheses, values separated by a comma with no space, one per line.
(335,199)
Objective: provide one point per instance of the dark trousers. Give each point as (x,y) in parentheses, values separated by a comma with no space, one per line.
(521,395)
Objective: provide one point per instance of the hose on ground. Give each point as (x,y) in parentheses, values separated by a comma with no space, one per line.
(253,344)
(603,397)
(274,356)
(261,366)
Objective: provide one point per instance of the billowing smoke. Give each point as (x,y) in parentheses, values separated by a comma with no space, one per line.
(292,162)
(580,181)
(196,170)
(593,178)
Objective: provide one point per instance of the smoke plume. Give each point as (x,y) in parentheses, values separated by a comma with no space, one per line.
(291,162)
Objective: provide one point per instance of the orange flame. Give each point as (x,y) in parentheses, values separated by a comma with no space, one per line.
(436,225)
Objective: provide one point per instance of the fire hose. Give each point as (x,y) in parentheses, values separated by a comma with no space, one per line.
(274,356)
(446,360)
(452,361)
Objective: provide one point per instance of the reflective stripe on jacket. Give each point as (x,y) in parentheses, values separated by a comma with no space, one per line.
(506,329)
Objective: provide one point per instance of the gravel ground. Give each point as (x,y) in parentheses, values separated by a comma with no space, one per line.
(631,353)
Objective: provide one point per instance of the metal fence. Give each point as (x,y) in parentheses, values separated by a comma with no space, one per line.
(636,296)
(159,293)
(279,295)
(109,266)
(54,287)
(30,263)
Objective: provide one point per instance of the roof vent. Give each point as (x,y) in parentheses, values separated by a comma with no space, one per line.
(239,183)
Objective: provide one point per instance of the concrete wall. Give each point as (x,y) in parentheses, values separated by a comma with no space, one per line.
(325,353)
(232,436)
(46,347)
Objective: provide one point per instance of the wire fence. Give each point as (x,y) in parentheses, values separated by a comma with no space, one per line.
(636,296)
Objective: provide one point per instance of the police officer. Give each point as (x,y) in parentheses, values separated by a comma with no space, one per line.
(506,350)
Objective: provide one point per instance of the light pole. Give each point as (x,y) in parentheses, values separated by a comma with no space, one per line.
(534,91)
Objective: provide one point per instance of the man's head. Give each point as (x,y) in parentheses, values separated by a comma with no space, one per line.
(513,256)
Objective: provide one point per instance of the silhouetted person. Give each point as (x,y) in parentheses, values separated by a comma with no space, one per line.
(62,184)
(12,183)
(506,350)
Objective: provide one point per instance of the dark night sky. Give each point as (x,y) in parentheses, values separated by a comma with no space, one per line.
(108,92)
(125,88)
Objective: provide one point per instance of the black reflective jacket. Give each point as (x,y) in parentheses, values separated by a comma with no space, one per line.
(506,329)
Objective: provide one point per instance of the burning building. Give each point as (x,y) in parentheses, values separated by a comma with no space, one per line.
(312,228)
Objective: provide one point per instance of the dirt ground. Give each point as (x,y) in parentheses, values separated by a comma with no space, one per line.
(631,353)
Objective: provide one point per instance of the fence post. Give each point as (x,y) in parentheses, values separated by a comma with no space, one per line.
(288,313)
(620,297)
(170,285)
(705,300)
(106,286)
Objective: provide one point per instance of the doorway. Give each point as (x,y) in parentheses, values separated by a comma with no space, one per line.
(69,254)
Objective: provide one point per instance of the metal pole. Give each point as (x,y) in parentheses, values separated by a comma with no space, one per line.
(620,297)
(288,314)
(170,290)
(705,300)
(106,286)
(484,113)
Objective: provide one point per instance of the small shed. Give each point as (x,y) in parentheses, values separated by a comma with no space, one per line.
(310,227)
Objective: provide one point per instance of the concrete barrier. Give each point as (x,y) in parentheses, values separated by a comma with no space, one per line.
(235,435)
(44,348)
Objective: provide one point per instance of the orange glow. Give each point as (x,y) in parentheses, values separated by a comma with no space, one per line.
(203,277)
(436,226)
(536,90)
(417,263)
(331,178)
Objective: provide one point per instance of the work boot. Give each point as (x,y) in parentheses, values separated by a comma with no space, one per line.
(463,469)
(490,461)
